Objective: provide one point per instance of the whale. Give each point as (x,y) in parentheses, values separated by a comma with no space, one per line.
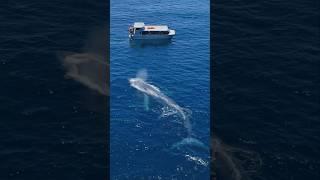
(153,91)
(189,145)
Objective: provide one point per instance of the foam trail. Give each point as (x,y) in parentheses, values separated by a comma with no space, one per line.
(153,91)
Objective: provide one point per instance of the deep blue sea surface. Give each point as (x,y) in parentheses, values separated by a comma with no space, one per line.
(142,141)
(266,73)
(51,127)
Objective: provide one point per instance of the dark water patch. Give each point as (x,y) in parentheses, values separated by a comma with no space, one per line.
(49,130)
(266,83)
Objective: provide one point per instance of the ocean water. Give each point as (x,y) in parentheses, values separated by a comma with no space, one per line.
(145,131)
(266,89)
(52,126)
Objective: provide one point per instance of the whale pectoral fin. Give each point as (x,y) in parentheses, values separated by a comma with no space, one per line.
(146,102)
(191,142)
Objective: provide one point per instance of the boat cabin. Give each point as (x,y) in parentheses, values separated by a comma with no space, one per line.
(140,30)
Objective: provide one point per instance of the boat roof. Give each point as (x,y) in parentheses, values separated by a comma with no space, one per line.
(138,25)
(156,28)
(150,27)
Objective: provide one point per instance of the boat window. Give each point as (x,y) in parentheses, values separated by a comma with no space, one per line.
(164,32)
(145,32)
(155,32)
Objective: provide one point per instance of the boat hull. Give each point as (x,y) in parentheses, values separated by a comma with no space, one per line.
(150,37)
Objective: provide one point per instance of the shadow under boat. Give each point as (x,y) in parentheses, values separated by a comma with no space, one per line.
(149,42)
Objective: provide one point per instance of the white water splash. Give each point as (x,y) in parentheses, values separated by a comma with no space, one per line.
(198,160)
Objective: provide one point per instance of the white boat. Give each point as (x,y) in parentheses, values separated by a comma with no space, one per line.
(140,31)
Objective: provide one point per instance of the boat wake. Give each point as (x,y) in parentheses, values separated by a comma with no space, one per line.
(186,145)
